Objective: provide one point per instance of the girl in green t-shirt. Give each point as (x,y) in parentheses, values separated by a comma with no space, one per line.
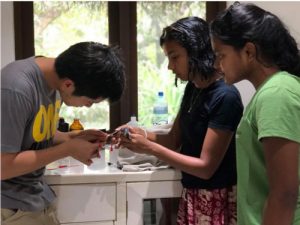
(253,44)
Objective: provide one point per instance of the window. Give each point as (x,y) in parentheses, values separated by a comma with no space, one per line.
(57,25)
(126,21)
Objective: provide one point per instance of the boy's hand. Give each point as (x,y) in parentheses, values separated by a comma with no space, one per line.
(91,135)
(83,150)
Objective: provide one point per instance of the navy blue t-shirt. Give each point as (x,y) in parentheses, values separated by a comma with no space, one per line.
(218,106)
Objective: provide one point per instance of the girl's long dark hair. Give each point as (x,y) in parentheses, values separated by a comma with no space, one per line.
(242,23)
(192,33)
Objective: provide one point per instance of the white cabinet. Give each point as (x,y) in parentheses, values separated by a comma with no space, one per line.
(105,195)
(137,192)
(89,204)
(90,223)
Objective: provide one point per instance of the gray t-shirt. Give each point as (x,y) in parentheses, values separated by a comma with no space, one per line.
(29,114)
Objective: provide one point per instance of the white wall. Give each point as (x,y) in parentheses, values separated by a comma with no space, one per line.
(7,33)
(246,90)
(288,12)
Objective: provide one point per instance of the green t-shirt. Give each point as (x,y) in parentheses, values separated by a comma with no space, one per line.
(274,111)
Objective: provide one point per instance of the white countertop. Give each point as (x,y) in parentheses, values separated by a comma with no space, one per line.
(101,172)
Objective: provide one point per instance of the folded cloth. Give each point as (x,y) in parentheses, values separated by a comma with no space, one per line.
(131,161)
(142,167)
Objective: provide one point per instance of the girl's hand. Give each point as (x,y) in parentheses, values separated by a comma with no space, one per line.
(134,130)
(136,141)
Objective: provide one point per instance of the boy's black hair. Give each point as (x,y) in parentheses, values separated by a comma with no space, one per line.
(242,23)
(192,33)
(96,70)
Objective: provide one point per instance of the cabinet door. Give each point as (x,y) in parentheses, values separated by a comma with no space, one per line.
(138,192)
(85,202)
(91,223)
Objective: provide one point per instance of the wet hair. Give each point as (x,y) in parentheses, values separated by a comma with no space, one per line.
(96,70)
(192,33)
(242,23)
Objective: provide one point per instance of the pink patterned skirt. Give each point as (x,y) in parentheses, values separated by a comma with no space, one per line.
(207,207)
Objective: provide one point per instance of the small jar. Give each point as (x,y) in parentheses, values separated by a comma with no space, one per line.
(76,125)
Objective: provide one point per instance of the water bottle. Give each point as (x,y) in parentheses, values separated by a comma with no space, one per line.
(160,110)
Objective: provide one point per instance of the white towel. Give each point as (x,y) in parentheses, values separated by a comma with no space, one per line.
(131,161)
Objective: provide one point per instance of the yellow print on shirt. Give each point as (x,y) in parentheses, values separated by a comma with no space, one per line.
(45,122)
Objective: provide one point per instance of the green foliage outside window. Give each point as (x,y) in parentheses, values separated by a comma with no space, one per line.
(59,24)
(153,74)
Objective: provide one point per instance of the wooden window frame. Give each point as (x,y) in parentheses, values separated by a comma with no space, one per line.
(24,29)
(122,17)
(122,32)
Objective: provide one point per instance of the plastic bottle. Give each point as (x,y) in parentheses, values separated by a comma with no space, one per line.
(76,125)
(125,154)
(133,122)
(160,110)
(62,125)
(115,153)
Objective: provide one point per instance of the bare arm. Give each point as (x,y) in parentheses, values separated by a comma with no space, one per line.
(282,169)
(214,148)
(16,164)
(171,139)
(83,148)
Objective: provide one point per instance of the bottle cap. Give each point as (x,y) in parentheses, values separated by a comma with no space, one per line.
(133,121)
(133,118)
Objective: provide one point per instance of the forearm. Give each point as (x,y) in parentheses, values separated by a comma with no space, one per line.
(192,165)
(16,164)
(279,208)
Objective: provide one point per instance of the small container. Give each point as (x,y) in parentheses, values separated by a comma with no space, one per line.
(62,125)
(133,122)
(76,125)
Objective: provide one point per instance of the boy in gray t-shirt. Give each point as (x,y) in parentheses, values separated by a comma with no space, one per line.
(32,91)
